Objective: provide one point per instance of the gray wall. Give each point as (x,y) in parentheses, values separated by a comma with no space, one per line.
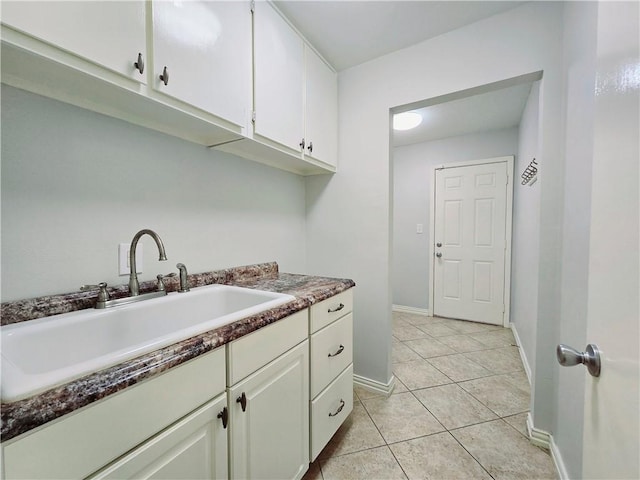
(75,184)
(412,168)
(349,216)
(526,231)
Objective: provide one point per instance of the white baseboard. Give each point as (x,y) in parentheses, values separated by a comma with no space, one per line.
(545,440)
(557,460)
(417,311)
(523,355)
(538,437)
(375,386)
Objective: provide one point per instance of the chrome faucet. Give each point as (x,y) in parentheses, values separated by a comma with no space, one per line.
(134,286)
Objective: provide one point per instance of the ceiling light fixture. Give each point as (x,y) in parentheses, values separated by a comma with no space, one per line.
(406,120)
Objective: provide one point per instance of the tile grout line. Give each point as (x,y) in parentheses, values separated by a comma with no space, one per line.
(493,374)
(511,381)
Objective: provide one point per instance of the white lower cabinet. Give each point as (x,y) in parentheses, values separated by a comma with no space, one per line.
(193,448)
(330,409)
(331,385)
(87,440)
(270,419)
(264,422)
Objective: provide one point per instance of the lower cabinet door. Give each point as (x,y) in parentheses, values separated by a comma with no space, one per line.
(270,419)
(193,448)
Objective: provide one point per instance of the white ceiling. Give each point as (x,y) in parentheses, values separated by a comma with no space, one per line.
(479,113)
(347,33)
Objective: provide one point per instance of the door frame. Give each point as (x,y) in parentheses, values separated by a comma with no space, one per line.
(509,160)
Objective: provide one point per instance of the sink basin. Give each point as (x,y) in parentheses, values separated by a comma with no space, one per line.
(40,354)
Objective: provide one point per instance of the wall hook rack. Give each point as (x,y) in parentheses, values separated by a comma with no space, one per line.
(530,174)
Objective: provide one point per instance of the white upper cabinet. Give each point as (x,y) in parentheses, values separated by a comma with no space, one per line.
(110,34)
(321,109)
(198,70)
(278,80)
(202,50)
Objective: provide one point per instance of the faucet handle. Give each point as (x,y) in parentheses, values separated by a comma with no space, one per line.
(103,295)
(160,278)
(184,283)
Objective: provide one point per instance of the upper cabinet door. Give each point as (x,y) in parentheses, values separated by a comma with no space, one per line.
(278,81)
(321,112)
(203,52)
(108,33)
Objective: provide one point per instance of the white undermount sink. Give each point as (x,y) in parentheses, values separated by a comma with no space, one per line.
(40,354)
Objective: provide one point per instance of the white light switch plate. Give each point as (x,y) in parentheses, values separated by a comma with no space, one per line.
(419,228)
(123,258)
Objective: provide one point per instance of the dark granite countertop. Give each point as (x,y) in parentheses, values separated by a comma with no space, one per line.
(23,415)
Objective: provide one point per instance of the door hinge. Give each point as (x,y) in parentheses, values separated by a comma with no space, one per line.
(253,6)
(253,117)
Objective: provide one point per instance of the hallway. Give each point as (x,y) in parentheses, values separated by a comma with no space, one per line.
(458,410)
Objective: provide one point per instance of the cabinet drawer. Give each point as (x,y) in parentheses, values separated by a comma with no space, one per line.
(86,440)
(251,352)
(330,410)
(329,310)
(331,352)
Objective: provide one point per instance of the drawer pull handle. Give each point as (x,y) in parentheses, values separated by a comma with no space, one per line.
(242,400)
(224,415)
(336,309)
(340,350)
(339,409)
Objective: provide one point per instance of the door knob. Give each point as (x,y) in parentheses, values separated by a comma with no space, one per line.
(438,244)
(590,358)
(438,254)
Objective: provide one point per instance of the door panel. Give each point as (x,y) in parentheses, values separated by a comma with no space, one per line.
(206,47)
(453,226)
(612,401)
(108,33)
(482,281)
(278,83)
(451,278)
(193,448)
(470,222)
(270,438)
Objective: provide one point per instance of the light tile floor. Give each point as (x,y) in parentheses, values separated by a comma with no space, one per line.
(458,411)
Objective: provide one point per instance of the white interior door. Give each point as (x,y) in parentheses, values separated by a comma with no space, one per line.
(612,401)
(471,209)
